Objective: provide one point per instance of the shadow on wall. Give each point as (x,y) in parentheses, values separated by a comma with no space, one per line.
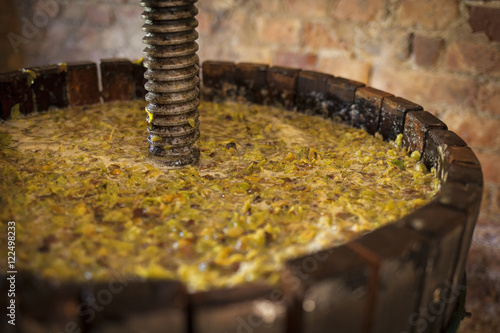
(11,56)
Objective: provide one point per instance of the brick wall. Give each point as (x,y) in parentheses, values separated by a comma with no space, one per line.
(442,54)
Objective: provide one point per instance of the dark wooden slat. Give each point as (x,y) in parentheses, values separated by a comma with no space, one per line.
(393,114)
(117,78)
(127,306)
(328,289)
(47,306)
(282,85)
(49,87)
(366,112)
(436,142)
(218,80)
(15,92)
(402,256)
(311,93)
(82,84)
(252,81)
(417,124)
(443,228)
(253,308)
(139,80)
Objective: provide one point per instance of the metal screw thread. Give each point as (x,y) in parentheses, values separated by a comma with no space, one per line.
(173,80)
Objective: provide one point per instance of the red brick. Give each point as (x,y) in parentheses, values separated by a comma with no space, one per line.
(489,98)
(267,5)
(235,24)
(485,19)
(490,165)
(476,131)
(473,57)
(296,60)
(58,31)
(424,88)
(346,67)
(87,36)
(278,30)
(359,10)
(216,5)
(125,13)
(100,15)
(386,78)
(252,53)
(494,207)
(426,50)
(113,39)
(223,51)
(73,15)
(428,14)
(314,8)
(452,90)
(319,36)
(205,20)
(386,42)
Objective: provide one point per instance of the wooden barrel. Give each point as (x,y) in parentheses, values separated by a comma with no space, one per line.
(407,276)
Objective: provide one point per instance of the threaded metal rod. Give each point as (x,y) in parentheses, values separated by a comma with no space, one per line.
(173,80)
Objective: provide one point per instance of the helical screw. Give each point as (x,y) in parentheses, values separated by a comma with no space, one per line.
(173,80)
